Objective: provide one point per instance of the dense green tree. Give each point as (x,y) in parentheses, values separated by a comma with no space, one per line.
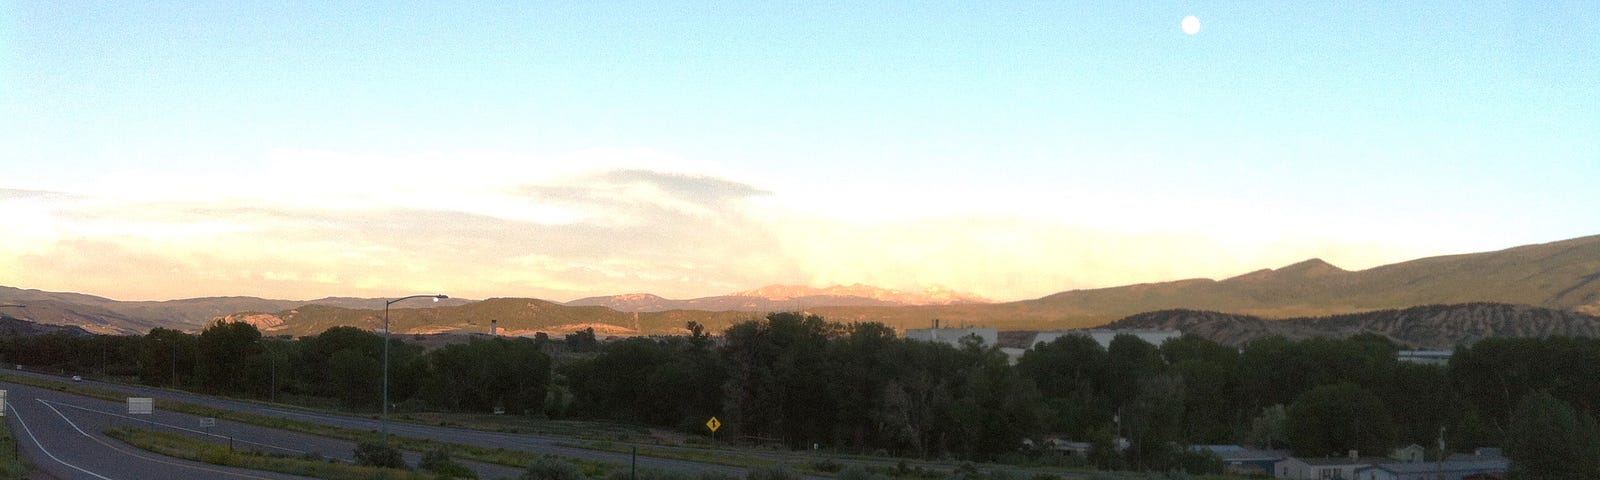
(1549,440)
(315,364)
(231,358)
(994,408)
(1129,360)
(1269,430)
(1071,373)
(166,357)
(1420,400)
(1495,373)
(510,375)
(1210,385)
(356,379)
(776,389)
(1152,421)
(1333,419)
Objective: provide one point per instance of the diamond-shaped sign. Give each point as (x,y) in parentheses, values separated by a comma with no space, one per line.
(713,424)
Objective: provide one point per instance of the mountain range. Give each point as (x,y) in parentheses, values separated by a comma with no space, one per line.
(1425,327)
(782,298)
(1558,276)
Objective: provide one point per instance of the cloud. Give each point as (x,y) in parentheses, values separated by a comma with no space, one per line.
(685,234)
(677,233)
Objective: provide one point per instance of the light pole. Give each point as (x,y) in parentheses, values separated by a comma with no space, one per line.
(386,305)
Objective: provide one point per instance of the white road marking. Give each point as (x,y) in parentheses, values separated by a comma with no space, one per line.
(175,427)
(46,451)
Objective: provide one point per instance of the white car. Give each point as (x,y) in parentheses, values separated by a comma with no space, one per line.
(76,378)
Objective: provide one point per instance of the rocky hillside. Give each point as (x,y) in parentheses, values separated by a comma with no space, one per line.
(1424,327)
(14,327)
(104,315)
(1561,275)
(773,298)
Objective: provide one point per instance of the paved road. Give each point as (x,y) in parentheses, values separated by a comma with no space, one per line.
(532,443)
(63,438)
(517,442)
(78,418)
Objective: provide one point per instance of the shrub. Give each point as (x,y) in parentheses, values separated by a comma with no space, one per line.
(546,468)
(373,454)
(650,474)
(826,465)
(775,472)
(857,472)
(438,461)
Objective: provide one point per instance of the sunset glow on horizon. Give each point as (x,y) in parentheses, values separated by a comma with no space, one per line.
(1012,151)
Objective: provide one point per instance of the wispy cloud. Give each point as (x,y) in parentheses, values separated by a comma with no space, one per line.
(509,229)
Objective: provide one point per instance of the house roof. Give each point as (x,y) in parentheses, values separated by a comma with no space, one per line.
(1341,461)
(1237,453)
(1445,466)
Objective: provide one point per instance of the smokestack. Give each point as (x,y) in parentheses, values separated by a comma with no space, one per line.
(494,328)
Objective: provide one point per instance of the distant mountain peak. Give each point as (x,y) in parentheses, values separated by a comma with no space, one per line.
(929,296)
(1313,268)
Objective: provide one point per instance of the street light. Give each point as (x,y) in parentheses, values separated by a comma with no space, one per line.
(386,305)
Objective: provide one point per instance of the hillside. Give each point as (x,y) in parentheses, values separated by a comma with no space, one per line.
(104,315)
(1561,275)
(783,297)
(1424,327)
(11,327)
(515,316)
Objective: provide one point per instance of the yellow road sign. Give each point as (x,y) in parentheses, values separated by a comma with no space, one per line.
(713,424)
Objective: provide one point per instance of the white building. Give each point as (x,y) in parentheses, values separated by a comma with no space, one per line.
(953,336)
(1425,357)
(1334,468)
(1104,336)
(1446,470)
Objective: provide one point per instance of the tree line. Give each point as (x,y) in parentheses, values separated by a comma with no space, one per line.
(803,382)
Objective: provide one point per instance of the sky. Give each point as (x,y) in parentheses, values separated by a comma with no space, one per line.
(558,150)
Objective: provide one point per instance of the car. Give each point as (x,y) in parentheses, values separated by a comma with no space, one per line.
(76,378)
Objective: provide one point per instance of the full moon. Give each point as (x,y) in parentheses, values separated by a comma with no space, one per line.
(1191,24)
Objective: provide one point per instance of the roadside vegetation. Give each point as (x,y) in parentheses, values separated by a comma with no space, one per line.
(12,464)
(497,456)
(800,383)
(187,448)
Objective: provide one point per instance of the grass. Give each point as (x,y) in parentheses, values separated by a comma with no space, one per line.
(497,456)
(179,446)
(12,464)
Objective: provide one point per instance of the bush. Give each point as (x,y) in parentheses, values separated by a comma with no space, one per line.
(649,474)
(373,454)
(716,476)
(775,472)
(826,465)
(546,468)
(438,461)
(857,472)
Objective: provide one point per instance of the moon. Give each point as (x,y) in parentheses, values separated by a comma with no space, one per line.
(1191,24)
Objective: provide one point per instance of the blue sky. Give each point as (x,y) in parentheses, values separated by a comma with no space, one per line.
(1006,148)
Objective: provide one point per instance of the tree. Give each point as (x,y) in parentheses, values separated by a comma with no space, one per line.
(511,374)
(1332,419)
(1547,439)
(355,378)
(776,386)
(166,357)
(228,354)
(1269,430)
(1070,373)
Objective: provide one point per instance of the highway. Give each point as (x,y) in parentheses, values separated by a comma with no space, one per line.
(62,435)
(531,443)
(327,447)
